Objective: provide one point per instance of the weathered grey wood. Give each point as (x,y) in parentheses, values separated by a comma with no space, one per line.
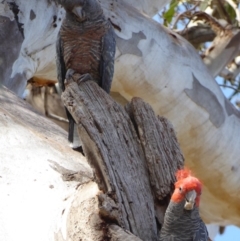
(118,234)
(134,155)
(111,145)
(40,174)
(160,145)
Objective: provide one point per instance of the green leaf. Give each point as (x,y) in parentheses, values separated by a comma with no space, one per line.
(168,15)
(204,4)
(231,12)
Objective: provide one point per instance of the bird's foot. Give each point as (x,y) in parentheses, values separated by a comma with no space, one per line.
(69,77)
(72,76)
(84,78)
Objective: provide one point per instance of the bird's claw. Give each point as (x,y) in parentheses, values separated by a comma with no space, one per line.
(69,76)
(84,78)
(72,76)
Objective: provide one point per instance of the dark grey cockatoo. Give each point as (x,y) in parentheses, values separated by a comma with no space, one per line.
(182,221)
(86,44)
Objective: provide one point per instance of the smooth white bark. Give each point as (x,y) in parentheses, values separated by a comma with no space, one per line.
(166,71)
(222,51)
(34,159)
(148,7)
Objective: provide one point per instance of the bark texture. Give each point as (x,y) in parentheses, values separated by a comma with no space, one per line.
(162,153)
(159,66)
(134,155)
(39,174)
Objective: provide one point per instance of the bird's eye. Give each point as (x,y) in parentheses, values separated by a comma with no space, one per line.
(180,189)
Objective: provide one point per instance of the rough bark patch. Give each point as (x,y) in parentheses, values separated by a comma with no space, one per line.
(111,145)
(134,155)
(162,153)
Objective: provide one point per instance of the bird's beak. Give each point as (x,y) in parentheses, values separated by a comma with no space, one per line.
(78,11)
(190,200)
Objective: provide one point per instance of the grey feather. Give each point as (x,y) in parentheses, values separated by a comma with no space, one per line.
(183,225)
(107,63)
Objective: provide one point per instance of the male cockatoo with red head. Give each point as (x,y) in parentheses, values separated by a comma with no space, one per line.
(182,221)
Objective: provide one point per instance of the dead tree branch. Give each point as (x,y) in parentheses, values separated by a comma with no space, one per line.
(134,155)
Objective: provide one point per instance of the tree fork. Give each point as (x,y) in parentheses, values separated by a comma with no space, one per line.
(133,153)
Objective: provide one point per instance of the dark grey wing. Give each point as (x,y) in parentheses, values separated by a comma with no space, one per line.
(61,74)
(169,238)
(202,233)
(107,59)
(61,68)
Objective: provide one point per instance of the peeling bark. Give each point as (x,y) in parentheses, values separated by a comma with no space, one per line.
(224,48)
(118,234)
(160,70)
(197,35)
(135,172)
(162,153)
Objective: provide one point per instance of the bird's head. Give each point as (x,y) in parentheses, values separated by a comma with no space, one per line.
(82,9)
(187,188)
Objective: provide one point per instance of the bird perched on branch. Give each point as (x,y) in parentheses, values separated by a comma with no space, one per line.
(86,44)
(182,221)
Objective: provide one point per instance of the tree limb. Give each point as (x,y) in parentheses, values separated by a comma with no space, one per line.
(114,148)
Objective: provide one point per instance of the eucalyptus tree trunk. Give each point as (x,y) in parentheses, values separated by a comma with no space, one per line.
(157,65)
(50,193)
